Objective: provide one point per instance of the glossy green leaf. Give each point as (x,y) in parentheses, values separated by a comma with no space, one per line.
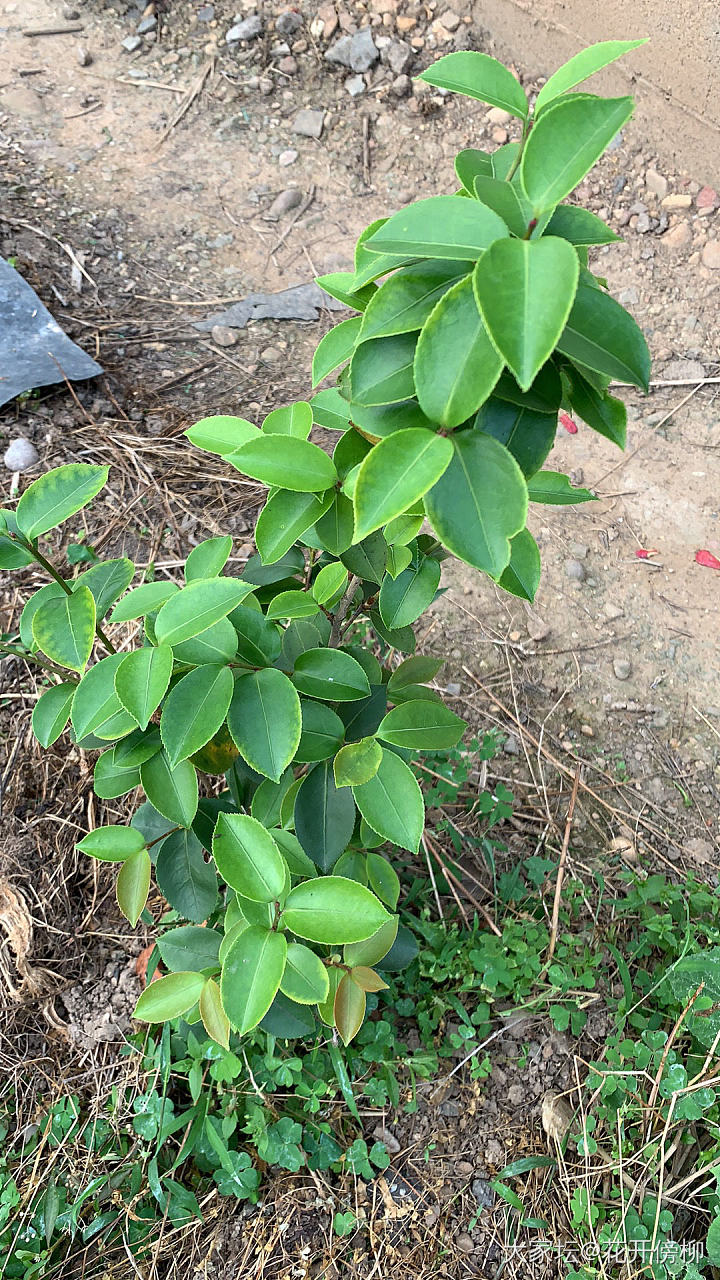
(604,413)
(554,488)
(258,641)
(579,226)
(405,597)
(330,410)
(169,997)
(292,604)
(421,726)
(291,565)
(299,865)
(218,643)
(356,763)
(440,227)
(525,290)
(522,575)
(306,977)
(287,462)
(377,421)
(221,434)
(248,858)
(188,882)
(348,1008)
(505,200)
(111,780)
(324,816)
(331,580)
(290,420)
(133,885)
(392,804)
(330,674)
(341,285)
(413,671)
(545,395)
(141,681)
(367,559)
(265,721)
(12,554)
(57,495)
(194,711)
(333,910)
(323,732)
(138,747)
(403,303)
(107,581)
(173,792)
(335,528)
(251,976)
(471,164)
(479,503)
(581,66)
(395,474)
(51,591)
(208,558)
(400,638)
(381,371)
(285,518)
(52,712)
(214,1017)
(527,434)
(96,709)
(456,363)
(142,600)
(189,947)
(385,882)
(565,143)
(335,348)
(64,628)
(600,334)
(195,608)
(374,948)
(112,844)
(477,75)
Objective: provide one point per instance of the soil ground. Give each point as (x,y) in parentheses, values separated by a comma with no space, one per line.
(160,166)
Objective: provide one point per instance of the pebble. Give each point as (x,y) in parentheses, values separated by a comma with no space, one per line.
(131,43)
(453,690)
(83,55)
(711,255)
(622,668)
(678,237)
(401,86)
(681,370)
(661,718)
(223,336)
(655,183)
(398,56)
(706,198)
(676,201)
(355,85)
(269,355)
(450,1109)
(579,550)
(499,135)
(699,850)
(496,115)
(69,13)
(358,52)
(20,455)
(284,202)
(147,24)
(483,1193)
(384,1135)
(287,157)
(288,65)
(249,29)
(464,1242)
(516,1094)
(287,23)
(206,13)
(574,570)
(511,746)
(450,20)
(587,731)
(464,1168)
(309,123)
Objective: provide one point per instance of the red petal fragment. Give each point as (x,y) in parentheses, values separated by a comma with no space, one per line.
(707,560)
(569,425)
(642,554)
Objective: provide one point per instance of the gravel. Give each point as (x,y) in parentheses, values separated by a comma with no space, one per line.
(249,29)
(309,123)
(21,455)
(358,52)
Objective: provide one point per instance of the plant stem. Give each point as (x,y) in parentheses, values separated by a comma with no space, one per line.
(39,662)
(342,608)
(50,568)
(527,126)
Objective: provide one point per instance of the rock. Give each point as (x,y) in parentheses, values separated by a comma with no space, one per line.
(309,123)
(699,850)
(265,85)
(327,19)
(249,29)
(483,1193)
(452,689)
(579,550)
(464,1168)
(288,65)
(511,746)
(499,135)
(574,570)
(287,157)
(223,336)
(676,201)
(405,23)
(401,86)
(661,718)
(358,52)
(384,1135)
(655,183)
(684,370)
(622,667)
(269,355)
(284,202)
(398,55)
(21,455)
(706,198)
(355,85)
(711,255)
(496,115)
(83,55)
(147,24)
(464,1242)
(287,23)
(450,1109)
(206,13)
(538,629)
(69,13)
(450,20)
(587,731)
(516,1094)
(131,43)
(557,1116)
(678,237)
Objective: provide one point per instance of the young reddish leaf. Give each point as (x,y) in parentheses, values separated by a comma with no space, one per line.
(707,560)
(569,425)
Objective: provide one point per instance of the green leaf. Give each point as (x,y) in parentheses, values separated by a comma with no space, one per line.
(265,721)
(404,598)
(479,503)
(600,334)
(440,227)
(322,735)
(522,575)
(374,948)
(385,882)
(285,518)
(189,947)
(195,608)
(601,411)
(477,75)
(712,1243)
(471,164)
(392,804)
(57,495)
(402,639)
(141,681)
(194,711)
(367,559)
(112,844)
(292,604)
(527,434)
(506,202)
(133,885)
(333,910)
(413,671)
(565,143)
(97,710)
(349,1009)
(403,303)
(221,434)
(555,489)
(173,792)
(377,421)
(335,348)
(51,591)
(287,462)
(290,420)
(12,554)
(525,290)
(545,395)
(579,226)
(107,581)
(214,1017)
(169,997)
(305,979)
(456,364)
(324,816)
(330,674)
(299,865)
(331,580)
(111,780)
(330,410)
(64,628)
(381,371)
(583,65)
(341,285)
(52,712)
(356,763)
(142,600)
(395,474)
(258,641)
(370,262)
(208,558)
(251,976)
(248,858)
(188,882)
(421,726)
(335,529)
(218,644)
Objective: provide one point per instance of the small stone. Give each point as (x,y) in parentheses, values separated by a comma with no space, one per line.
(483,1193)
(288,65)
(223,336)
(684,371)
(206,13)
(287,157)
(699,850)
(358,52)
(21,455)
(587,731)
(622,667)
(69,13)
(678,237)
(405,23)
(450,1109)
(384,1135)
(711,255)
(612,611)
(676,201)
(269,355)
(496,115)
(131,43)
(464,1168)
(83,55)
(284,202)
(329,19)
(706,198)
(450,20)
(656,183)
(574,570)
(398,55)
(266,85)
(579,550)
(401,86)
(249,29)
(453,690)
(661,718)
(287,23)
(355,85)
(538,629)
(147,24)
(464,1242)
(557,1116)
(511,746)
(499,135)
(309,123)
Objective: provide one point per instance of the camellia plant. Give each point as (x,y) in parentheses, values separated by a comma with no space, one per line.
(477,320)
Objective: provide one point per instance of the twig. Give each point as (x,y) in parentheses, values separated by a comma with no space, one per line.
(303,208)
(53,31)
(452,879)
(431,873)
(561,868)
(192,93)
(77,114)
(366,149)
(668,1045)
(342,608)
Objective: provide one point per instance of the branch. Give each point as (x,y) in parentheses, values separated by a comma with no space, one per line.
(339,615)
